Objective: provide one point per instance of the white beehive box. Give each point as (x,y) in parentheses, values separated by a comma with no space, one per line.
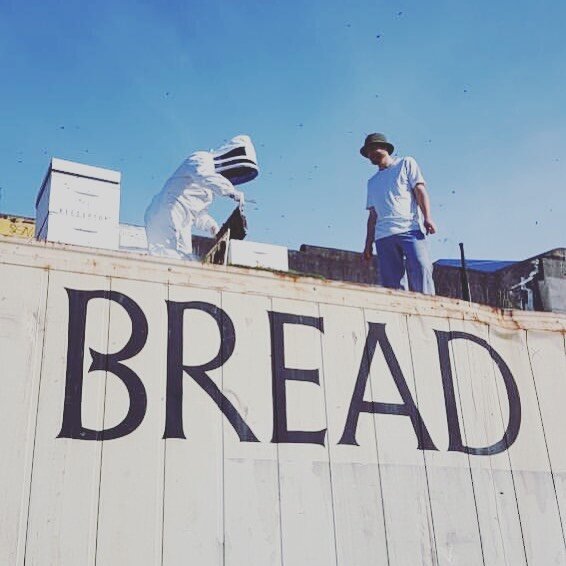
(255,254)
(79,204)
(133,238)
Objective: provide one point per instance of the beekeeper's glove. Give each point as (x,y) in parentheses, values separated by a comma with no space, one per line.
(238,196)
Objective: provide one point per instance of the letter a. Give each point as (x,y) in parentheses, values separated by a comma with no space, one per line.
(408,408)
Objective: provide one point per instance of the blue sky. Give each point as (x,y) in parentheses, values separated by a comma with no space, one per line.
(474,91)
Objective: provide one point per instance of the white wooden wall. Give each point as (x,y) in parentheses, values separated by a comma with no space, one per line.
(211,499)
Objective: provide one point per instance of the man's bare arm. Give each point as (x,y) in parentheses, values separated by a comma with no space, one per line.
(370,235)
(423,201)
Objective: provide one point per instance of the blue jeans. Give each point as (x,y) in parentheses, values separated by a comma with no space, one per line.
(405,251)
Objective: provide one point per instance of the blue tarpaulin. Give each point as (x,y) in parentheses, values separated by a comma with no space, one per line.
(485,265)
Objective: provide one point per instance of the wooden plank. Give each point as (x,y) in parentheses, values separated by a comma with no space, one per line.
(547,351)
(355,473)
(23,297)
(62,522)
(536,496)
(482,424)
(193,502)
(251,479)
(307,521)
(547,357)
(451,491)
(408,517)
(131,491)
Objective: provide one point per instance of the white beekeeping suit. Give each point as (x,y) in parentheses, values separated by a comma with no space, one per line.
(184,200)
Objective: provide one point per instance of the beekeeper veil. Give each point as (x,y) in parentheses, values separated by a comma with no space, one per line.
(237,160)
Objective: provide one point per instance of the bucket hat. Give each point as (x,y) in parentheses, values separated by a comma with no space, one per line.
(376,139)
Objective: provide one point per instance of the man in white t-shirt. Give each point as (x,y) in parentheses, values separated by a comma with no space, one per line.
(394,195)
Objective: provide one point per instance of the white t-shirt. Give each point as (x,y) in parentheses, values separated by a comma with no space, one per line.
(390,192)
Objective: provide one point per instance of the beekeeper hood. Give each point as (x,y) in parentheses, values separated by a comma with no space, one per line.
(236,160)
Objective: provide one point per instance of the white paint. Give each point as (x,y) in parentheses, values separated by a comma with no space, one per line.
(79,204)
(529,459)
(22,322)
(210,499)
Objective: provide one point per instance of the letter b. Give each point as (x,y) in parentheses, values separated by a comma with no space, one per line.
(72,426)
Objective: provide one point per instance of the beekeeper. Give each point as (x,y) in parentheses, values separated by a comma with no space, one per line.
(184,200)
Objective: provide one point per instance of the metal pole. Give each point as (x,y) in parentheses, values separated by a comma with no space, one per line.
(464,275)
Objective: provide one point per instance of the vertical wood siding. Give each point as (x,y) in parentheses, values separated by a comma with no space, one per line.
(212,499)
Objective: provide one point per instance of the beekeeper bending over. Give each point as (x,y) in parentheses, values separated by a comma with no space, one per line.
(184,200)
